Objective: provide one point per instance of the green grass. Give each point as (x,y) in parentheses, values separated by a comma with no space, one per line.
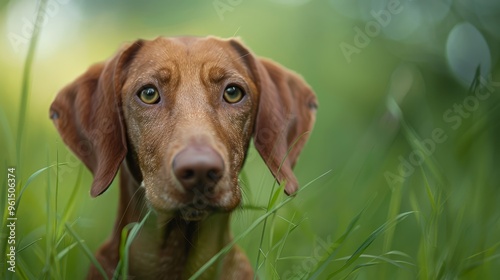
(448,243)
(441,222)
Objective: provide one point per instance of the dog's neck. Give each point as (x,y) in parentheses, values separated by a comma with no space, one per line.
(167,246)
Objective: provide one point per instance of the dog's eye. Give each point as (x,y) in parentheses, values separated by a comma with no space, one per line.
(149,95)
(233,94)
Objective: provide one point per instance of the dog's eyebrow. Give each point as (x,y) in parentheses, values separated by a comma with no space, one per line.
(164,74)
(217,74)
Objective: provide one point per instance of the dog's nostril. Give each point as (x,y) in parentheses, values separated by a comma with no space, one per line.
(187,174)
(213,174)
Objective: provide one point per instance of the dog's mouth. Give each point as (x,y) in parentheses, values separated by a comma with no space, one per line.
(192,213)
(193,205)
(197,210)
(187,212)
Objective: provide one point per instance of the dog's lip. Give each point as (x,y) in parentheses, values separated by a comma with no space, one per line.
(192,213)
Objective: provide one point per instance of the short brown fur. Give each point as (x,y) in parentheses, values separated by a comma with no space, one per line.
(101,118)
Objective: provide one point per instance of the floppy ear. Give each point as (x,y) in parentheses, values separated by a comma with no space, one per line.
(87,114)
(285,116)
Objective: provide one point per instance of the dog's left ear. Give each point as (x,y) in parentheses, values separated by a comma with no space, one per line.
(285,117)
(87,114)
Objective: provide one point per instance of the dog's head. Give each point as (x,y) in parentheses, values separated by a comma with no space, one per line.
(181,112)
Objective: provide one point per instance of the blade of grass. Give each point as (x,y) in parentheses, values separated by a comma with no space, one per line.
(398,253)
(23,270)
(257,266)
(489,250)
(87,251)
(273,196)
(265,257)
(52,267)
(252,207)
(28,63)
(66,250)
(28,245)
(476,81)
(291,228)
(369,241)
(394,209)
(56,198)
(7,135)
(65,233)
(70,205)
(332,251)
(477,264)
(300,258)
(414,140)
(359,266)
(125,243)
(397,263)
(244,182)
(228,247)
(430,194)
(33,177)
(48,233)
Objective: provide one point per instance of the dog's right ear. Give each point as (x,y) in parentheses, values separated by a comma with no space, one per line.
(87,114)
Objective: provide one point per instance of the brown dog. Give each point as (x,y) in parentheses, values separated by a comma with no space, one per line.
(177,115)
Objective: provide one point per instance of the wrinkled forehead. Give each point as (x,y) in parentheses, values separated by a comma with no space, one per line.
(209,57)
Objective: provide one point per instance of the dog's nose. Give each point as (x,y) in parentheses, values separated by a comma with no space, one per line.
(198,167)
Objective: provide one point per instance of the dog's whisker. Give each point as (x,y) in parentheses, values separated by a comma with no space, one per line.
(130,201)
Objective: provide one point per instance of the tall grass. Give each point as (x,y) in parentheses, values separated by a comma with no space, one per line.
(26,81)
(442,222)
(58,228)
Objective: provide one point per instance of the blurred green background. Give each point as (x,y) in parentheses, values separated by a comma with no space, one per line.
(408,122)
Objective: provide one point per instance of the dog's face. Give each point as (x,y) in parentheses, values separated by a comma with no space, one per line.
(189,107)
(181,113)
